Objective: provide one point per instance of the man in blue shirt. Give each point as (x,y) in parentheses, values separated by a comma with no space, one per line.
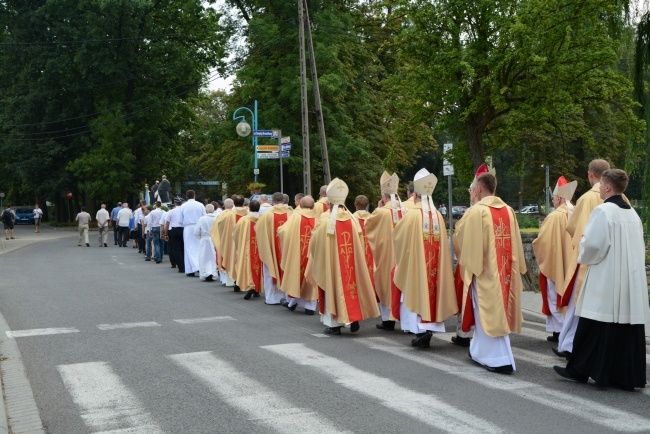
(114,220)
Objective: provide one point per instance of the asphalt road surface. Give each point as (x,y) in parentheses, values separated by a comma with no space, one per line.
(113,343)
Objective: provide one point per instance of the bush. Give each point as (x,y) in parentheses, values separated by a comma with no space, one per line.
(526,221)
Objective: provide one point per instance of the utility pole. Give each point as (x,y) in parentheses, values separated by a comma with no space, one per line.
(319,109)
(306,159)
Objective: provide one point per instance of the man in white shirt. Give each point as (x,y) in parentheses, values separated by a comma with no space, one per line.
(191,212)
(174,230)
(139,222)
(265,204)
(38,215)
(123,218)
(103,218)
(154,228)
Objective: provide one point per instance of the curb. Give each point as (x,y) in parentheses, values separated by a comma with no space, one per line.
(19,411)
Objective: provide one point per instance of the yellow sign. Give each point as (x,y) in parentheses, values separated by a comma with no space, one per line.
(267,148)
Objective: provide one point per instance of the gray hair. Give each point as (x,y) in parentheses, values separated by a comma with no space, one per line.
(209,208)
(228,204)
(264,198)
(278,198)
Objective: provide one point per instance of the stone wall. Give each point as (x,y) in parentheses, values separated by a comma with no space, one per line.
(531,278)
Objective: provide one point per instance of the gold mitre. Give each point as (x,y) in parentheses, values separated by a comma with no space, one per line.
(337,192)
(389,183)
(565,189)
(424,182)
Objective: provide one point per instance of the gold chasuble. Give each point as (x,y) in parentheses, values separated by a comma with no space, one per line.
(295,236)
(225,227)
(337,266)
(409,203)
(424,273)
(554,250)
(576,228)
(268,242)
(320,207)
(362,218)
(379,232)
(492,253)
(214,234)
(249,264)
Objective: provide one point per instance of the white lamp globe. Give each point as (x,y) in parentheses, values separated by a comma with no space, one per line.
(243,128)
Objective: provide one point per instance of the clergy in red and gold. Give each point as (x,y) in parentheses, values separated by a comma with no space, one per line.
(492,262)
(337,266)
(248,265)
(294,236)
(576,273)
(379,232)
(321,206)
(423,272)
(226,279)
(553,250)
(268,244)
(225,226)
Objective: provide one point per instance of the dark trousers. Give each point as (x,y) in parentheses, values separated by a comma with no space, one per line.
(123,235)
(115,231)
(141,240)
(179,248)
(170,249)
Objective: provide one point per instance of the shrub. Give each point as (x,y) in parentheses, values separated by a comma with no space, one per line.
(526,221)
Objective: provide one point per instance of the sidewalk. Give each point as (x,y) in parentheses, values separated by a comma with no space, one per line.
(531,308)
(25,236)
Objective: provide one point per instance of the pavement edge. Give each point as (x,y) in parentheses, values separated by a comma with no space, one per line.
(19,412)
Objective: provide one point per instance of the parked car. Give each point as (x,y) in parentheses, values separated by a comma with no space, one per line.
(458,211)
(530,209)
(24,215)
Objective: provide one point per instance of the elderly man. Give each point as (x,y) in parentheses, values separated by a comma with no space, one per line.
(294,236)
(103,219)
(207,256)
(321,206)
(114,212)
(191,212)
(225,226)
(268,245)
(248,264)
(264,203)
(124,217)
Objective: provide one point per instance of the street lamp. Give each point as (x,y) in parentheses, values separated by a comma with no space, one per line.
(244,129)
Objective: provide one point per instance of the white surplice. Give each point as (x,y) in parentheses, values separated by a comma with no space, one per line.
(191,212)
(555,320)
(207,254)
(412,322)
(271,292)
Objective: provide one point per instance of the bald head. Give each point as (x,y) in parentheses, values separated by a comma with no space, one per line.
(228,204)
(307,202)
(323,191)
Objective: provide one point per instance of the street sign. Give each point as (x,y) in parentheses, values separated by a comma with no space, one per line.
(68,194)
(273,148)
(447,167)
(271,134)
(272,155)
(256,171)
(286,146)
(286,140)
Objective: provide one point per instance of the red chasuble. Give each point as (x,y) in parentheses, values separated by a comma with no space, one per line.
(432,257)
(278,220)
(344,234)
(306,225)
(256,262)
(370,262)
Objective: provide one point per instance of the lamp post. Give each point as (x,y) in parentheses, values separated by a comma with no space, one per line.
(244,128)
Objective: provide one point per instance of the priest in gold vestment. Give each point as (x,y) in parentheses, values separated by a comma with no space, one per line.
(227,280)
(225,224)
(295,236)
(337,266)
(492,262)
(321,205)
(248,264)
(423,272)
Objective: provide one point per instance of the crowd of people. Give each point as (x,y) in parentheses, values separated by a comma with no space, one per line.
(396,264)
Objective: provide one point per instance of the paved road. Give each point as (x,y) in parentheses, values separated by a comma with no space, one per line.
(135,346)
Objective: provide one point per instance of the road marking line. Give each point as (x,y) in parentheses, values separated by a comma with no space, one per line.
(241,392)
(41,332)
(425,408)
(127,325)
(204,320)
(586,409)
(320,335)
(106,403)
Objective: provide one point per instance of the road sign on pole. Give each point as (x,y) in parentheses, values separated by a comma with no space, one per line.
(256,171)
(447,167)
(271,134)
(286,140)
(272,155)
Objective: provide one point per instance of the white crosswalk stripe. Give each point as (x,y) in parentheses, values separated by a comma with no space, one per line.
(425,407)
(127,325)
(105,402)
(41,332)
(245,394)
(204,320)
(588,410)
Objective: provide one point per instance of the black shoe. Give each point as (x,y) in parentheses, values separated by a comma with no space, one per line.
(173,266)
(249,294)
(386,325)
(354,327)
(291,308)
(461,342)
(564,354)
(564,372)
(309,312)
(237,289)
(87,244)
(506,369)
(158,261)
(190,274)
(256,294)
(332,331)
(116,243)
(422,340)
(209,278)
(78,245)
(147,259)
(105,245)
(554,337)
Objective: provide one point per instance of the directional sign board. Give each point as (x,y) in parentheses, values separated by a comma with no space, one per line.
(286,140)
(273,148)
(447,167)
(272,155)
(271,134)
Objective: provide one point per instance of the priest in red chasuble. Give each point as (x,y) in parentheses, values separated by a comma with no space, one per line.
(423,273)
(248,265)
(337,266)
(268,244)
(225,226)
(553,251)
(379,232)
(295,236)
(492,262)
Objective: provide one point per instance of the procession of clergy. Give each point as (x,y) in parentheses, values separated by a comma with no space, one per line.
(396,263)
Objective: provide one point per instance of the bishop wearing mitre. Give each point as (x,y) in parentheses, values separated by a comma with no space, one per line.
(248,265)
(225,224)
(492,262)
(379,231)
(423,272)
(553,250)
(295,236)
(268,244)
(337,266)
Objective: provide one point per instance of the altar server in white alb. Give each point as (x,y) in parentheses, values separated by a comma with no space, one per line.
(207,255)
(612,307)
(191,212)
